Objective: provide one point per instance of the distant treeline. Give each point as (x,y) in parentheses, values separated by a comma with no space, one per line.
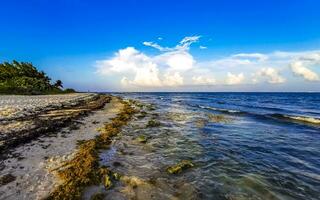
(24,78)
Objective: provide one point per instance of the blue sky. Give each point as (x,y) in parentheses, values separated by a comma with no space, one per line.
(101,45)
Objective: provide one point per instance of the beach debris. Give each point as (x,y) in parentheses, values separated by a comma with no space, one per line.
(179,167)
(142,139)
(153,123)
(7,178)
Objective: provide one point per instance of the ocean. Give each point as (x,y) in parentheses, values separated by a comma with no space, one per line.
(243,145)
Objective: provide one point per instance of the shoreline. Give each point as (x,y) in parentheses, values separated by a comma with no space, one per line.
(27,168)
(70,162)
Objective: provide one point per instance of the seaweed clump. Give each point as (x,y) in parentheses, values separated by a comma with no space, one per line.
(8,178)
(179,167)
(153,123)
(142,139)
(97,196)
(84,170)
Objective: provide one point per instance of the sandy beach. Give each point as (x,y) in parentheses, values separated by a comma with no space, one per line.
(26,161)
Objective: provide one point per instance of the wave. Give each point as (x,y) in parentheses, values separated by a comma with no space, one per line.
(221,109)
(292,118)
(303,119)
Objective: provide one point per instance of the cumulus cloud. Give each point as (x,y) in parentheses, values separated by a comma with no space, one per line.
(177,61)
(200,80)
(176,66)
(271,74)
(300,66)
(174,79)
(130,61)
(138,69)
(234,79)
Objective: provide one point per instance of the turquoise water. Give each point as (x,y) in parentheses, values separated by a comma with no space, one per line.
(262,145)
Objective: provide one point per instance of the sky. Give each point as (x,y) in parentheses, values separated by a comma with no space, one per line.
(195,45)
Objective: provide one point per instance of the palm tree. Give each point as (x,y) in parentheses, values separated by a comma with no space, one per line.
(58,84)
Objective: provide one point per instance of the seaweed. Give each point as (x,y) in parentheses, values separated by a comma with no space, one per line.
(153,123)
(107,182)
(142,139)
(5,179)
(179,167)
(84,170)
(97,196)
(142,114)
(200,123)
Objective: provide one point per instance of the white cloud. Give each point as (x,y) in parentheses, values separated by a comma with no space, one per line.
(156,46)
(176,66)
(234,79)
(130,62)
(200,80)
(271,74)
(248,56)
(187,41)
(300,66)
(183,45)
(174,79)
(203,47)
(140,70)
(178,61)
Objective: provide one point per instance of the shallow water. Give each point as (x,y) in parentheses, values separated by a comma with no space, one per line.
(266,147)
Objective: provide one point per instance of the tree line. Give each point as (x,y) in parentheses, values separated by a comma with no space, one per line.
(24,78)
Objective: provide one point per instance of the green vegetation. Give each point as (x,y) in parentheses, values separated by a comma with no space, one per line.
(179,167)
(142,139)
(24,78)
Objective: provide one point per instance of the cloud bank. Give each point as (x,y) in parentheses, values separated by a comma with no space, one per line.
(176,67)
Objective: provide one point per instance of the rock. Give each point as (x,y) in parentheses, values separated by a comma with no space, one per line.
(5,179)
